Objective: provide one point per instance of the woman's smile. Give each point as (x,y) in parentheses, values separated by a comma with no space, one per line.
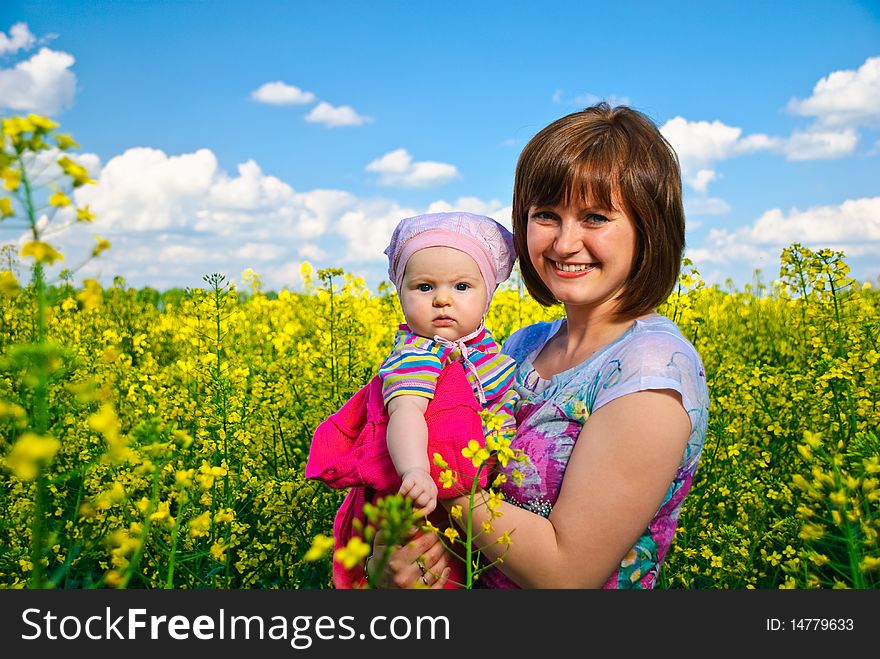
(572,270)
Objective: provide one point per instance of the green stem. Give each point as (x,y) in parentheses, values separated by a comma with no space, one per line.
(172,554)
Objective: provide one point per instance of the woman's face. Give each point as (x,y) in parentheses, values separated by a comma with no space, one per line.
(443,293)
(583,254)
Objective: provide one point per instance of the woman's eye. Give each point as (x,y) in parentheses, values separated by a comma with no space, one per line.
(424,288)
(461,287)
(542,216)
(596,218)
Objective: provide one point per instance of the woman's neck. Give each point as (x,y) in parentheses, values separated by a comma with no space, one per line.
(584,332)
(590,328)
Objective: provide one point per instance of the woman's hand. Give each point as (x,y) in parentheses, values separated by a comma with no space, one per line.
(423,559)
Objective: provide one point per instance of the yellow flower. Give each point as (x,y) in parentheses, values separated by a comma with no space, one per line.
(428,527)
(15,126)
(447,478)
(218,552)
(41,252)
(224,515)
(66,142)
(183,478)
(91,296)
(321,544)
(353,553)
(84,215)
(812,532)
(59,199)
(451,533)
(102,245)
(870,563)
(30,453)
(105,421)
(455,512)
(162,514)
(6,207)
(43,123)
(8,283)
(77,172)
(11,178)
(504,539)
(198,526)
(440,462)
(475,452)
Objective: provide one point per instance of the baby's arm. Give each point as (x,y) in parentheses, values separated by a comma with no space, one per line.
(407,438)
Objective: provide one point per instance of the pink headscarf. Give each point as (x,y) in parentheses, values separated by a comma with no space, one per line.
(478,236)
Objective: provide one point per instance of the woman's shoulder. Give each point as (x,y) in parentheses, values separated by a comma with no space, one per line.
(526,340)
(656,349)
(656,335)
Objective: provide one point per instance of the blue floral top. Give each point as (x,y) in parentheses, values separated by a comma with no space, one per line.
(651,354)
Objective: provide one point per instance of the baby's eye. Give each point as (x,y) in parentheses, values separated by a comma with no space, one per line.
(424,288)
(462,286)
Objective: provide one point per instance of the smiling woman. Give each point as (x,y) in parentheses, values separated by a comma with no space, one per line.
(612,400)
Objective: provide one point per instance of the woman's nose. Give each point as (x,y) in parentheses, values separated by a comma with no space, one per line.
(568,240)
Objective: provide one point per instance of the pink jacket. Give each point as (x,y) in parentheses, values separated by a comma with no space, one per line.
(349,451)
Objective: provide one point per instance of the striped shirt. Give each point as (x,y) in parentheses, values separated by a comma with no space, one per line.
(415,362)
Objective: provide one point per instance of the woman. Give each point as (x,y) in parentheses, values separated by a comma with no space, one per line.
(614,399)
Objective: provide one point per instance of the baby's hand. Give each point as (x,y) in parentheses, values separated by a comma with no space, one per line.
(420,487)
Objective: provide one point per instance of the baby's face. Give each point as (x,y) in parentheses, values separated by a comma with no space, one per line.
(443,293)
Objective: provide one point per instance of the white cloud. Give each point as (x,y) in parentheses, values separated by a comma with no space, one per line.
(701,145)
(20,38)
(852,227)
(367,228)
(311,252)
(820,144)
(396,168)
(844,98)
(332,117)
(280,93)
(702,205)
(853,223)
(179,254)
(173,218)
(42,84)
(492,208)
(368,225)
(260,251)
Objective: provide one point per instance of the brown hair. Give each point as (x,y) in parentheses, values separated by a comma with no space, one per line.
(602,154)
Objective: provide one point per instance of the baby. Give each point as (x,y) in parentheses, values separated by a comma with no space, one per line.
(444,368)
(446,268)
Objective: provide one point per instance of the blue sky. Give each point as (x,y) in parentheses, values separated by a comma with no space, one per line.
(234,135)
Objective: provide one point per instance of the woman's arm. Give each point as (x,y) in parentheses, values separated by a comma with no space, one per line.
(620,469)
